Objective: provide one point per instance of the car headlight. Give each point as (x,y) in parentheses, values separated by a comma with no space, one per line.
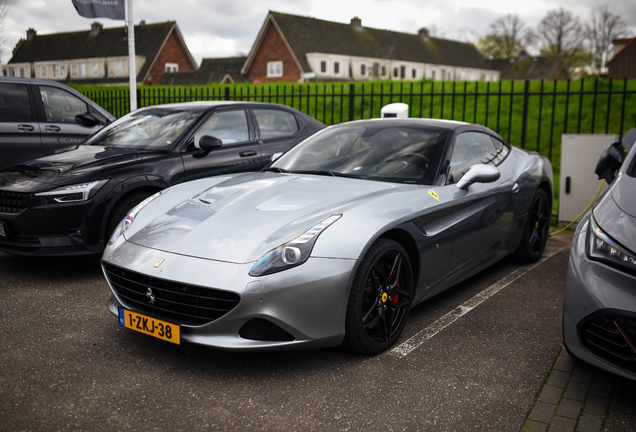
(294,252)
(127,221)
(74,193)
(603,248)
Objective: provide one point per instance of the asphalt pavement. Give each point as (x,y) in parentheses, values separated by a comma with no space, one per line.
(484,355)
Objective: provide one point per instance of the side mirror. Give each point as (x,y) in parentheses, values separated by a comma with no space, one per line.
(208,143)
(609,162)
(479,173)
(276,156)
(87,119)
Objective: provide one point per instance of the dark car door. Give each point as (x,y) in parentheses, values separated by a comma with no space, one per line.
(484,211)
(57,109)
(19,130)
(278,130)
(240,150)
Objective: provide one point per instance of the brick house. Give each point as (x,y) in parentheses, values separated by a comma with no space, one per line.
(623,64)
(289,46)
(212,70)
(100,56)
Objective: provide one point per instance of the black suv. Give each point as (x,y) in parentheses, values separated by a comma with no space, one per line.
(37,117)
(70,202)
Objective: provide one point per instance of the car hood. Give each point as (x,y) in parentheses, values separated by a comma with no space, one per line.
(240,219)
(616,213)
(73,164)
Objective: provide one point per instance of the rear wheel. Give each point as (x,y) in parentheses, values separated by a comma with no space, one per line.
(535,233)
(380,299)
(121,209)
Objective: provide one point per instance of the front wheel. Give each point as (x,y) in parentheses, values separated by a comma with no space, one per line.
(380,299)
(535,233)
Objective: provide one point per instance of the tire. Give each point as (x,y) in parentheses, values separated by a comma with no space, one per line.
(121,209)
(535,233)
(380,299)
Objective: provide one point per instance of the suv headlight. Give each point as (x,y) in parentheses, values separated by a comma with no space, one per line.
(74,193)
(603,248)
(294,252)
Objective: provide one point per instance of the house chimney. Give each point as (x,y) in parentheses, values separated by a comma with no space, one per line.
(522,55)
(424,33)
(31,33)
(356,22)
(96,27)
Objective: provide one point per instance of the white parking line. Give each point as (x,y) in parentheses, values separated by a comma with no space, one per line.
(417,340)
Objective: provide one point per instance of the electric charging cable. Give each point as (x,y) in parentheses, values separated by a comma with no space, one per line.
(579,216)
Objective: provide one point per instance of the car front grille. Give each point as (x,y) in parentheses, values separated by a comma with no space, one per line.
(13,202)
(175,302)
(612,338)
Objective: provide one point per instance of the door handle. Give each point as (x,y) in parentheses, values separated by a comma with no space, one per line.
(52,128)
(515,188)
(25,128)
(248,153)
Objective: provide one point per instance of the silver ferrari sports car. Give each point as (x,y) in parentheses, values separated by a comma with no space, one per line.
(599,313)
(333,243)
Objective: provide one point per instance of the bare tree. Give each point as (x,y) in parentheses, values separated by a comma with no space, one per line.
(560,33)
(508,36)
(605,26)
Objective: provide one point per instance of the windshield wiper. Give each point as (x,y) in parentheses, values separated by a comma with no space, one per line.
(278,170)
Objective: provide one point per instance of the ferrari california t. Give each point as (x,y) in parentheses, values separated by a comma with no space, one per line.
(332,243)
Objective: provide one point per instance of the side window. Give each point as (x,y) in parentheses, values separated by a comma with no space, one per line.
(475,148)
(228,126)
(60,106)
(275,123)
(14,103)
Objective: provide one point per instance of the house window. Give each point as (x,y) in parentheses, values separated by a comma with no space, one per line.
(119,70)
(336,68)
(44,71)
(402,72)
(274,69)
(74,70)
(82,69)
(383,70)
(443,74)
(56,70)
(363,69)
(95,69)
(12,72)
(414,75)
(63,71)
(433,75)
(323,66)
(395,72)
(21,72)
(172,67)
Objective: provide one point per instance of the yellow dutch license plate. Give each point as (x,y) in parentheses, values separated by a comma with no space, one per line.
(150,326)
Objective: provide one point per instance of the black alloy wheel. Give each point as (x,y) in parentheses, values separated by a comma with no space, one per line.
(536,232)
(380,299)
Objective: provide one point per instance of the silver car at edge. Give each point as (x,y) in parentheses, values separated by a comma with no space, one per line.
(333,243)
(599,314)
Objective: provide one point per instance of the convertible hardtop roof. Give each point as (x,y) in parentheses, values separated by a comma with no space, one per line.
(211,104)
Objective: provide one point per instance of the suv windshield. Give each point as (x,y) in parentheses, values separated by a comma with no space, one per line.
(156,127)
(386,151)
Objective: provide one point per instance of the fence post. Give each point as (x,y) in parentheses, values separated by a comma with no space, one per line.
(139,104)
(524,124)
(227,93)
(352,93)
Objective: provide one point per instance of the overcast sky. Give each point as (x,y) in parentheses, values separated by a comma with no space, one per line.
(225,28)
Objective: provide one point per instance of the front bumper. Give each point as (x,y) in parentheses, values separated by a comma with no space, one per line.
(308,302)
(35,226)
(599,314)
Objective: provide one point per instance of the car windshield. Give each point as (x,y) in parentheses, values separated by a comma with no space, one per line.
(156,127)
(386,151)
